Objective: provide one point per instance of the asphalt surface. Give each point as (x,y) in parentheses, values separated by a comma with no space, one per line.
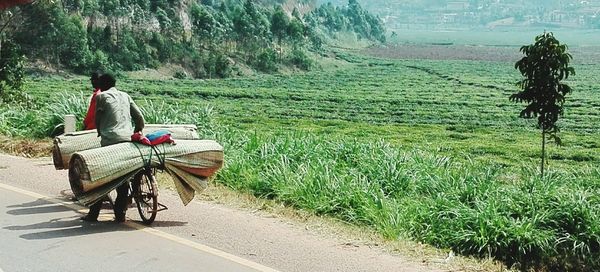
(39,235)
(40,231)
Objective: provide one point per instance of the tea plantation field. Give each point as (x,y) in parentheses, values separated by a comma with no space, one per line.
(452,107)
(430,150)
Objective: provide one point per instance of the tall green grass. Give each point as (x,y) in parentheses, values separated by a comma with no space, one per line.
(40,121)
(484,210)
(478,209)
(20,121)
(175,113)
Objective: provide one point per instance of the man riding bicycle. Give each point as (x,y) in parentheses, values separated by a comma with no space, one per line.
(115,112)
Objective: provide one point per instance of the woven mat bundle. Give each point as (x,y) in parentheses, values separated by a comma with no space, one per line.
(67,144)
(94,173)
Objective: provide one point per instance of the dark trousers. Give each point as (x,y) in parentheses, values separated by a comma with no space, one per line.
(120,205)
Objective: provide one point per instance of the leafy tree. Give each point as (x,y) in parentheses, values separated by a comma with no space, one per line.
(316,38)
(295,31)
(204,25)
(9,24)
(351,18)
(11,73)
(42,22)
(208,2)
(84,35)
(144,4)
(127,52)
(156,4)
(73,48)
(330,17)
(365,24)
(357,19)
(376,27)
(99,62)
(74,5)
(12,61)
(252,29)
(108,7)
(90,7)
(265,62)
(223,32)
(106,39)
(217,65)
(158,41)
(279,25)
(296,14)
(544,66)
(163,18)
(301,60)
(49,33)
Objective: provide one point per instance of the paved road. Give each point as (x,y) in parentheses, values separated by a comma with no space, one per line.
(40,231)
(42,235)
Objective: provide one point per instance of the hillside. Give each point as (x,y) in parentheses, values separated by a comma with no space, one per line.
(207,38)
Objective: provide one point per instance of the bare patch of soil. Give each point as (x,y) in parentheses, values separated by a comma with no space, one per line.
(26,147)
(583,55)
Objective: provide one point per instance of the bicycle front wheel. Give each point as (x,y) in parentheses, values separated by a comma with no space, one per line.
(146,196)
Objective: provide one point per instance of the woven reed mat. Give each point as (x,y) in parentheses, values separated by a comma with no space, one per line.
(95,172)
(66,145)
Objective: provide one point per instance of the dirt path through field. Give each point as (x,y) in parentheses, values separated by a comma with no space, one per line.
(510,54)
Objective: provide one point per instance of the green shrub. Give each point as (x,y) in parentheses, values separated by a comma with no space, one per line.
(180,75)
(266,61)
(218,65)
(11,74)
(299,59)
(100,62)
(223,67)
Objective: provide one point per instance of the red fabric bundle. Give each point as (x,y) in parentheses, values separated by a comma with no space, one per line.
(156,138)
(166,138)
(139,138)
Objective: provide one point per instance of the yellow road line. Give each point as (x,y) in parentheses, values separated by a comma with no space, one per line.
(155,232)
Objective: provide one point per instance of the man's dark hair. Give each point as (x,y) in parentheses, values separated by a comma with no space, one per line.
(94,78)
(107,81)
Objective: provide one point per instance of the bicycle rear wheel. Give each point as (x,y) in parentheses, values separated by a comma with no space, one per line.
(145,194)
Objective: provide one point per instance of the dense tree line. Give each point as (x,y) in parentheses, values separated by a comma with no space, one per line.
(11,73)
(209,38)
(349,18)
(11,63)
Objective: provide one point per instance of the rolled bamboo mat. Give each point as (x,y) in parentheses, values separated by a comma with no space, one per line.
(95,172)
(67,144)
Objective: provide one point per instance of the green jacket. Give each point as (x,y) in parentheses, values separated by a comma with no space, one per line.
(115,111)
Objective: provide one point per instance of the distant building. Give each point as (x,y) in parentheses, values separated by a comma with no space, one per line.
(468,13)
(448,18)
(457,6)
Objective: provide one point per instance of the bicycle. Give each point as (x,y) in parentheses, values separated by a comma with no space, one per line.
(144,191)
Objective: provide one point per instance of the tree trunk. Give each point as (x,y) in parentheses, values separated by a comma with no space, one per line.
(280,50)
(117,30)
(543,152)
